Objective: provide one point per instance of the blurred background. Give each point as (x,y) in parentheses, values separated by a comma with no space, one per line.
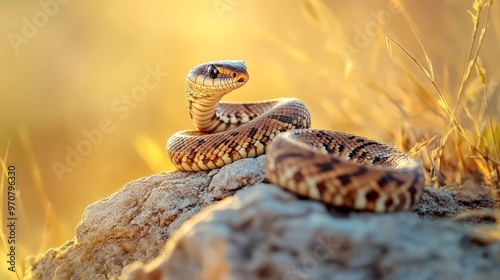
(92,90)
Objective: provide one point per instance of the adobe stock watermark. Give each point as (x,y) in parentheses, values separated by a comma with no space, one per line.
(121,108)
(31,26)
(364,36)
(328,247)
(223,6)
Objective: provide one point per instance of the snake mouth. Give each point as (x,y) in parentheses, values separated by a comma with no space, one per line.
(241,80)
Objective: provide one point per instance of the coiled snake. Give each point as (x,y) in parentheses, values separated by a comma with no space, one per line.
(336,168)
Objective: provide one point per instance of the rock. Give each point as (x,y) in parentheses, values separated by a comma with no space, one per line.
(438,203)
(134,223)
(262,230)
(444,203)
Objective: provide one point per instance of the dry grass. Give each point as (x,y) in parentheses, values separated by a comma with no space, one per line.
(457,134)
(458,141)
(467,148)
(406,87)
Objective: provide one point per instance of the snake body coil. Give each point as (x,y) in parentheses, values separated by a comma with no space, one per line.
(336,168)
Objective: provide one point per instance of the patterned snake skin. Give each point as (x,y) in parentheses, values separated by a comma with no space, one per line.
(336,168)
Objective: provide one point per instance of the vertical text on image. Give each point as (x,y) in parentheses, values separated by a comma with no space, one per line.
(11,218)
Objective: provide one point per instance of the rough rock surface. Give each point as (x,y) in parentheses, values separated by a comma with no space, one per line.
(260,232)
(264,232)
(134,223)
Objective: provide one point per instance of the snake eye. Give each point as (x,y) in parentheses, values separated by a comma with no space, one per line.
(212,71)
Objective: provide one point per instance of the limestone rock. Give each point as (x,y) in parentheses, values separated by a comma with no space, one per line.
(264,232)
(134,223)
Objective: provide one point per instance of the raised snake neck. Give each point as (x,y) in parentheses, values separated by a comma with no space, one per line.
(336,168)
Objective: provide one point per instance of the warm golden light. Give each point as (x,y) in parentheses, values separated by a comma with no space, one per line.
(92,90)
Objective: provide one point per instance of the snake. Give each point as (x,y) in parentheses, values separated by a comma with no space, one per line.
(338,169)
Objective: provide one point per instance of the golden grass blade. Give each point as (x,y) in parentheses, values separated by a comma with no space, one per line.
(478,6)
(419,146)
(429,63)
(389,47)
(389,40)
(442,101)
(485,170)
(434,172)
(482,74)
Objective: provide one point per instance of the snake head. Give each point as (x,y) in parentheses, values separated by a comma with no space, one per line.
(215,79)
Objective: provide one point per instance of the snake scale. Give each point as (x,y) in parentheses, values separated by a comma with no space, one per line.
(336,168)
